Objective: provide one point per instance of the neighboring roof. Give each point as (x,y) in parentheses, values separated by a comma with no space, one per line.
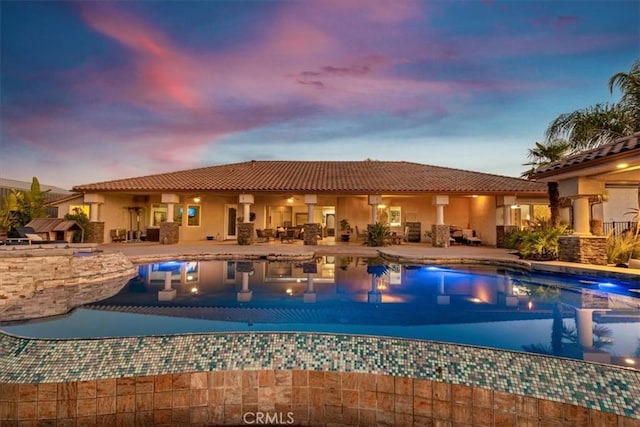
(355,177)
(68,198)
(24,185)
(44,225)
(629,145)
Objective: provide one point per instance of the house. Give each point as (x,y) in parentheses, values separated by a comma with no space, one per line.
(230,201)
(586,179)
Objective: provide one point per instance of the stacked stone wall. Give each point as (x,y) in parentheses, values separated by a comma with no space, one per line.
(169,233)
(440,235)
(39,283)
(502,234)
(95,233)
(583,249)
(311,232)
(245,233)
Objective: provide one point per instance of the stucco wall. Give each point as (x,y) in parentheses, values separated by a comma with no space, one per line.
(620,201)
(478,213)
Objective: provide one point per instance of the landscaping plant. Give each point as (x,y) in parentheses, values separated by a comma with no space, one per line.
(540,242)
(378,234)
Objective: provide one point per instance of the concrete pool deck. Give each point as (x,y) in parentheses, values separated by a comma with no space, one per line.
(148,252)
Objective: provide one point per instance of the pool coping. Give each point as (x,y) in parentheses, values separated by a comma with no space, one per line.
(617,389)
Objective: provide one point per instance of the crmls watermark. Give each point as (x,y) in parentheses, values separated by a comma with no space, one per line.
(263,418)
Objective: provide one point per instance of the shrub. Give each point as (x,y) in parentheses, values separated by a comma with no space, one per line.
(622,247)
(378,234)
(538,243)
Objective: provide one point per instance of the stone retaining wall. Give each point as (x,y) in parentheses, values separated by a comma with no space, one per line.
(43,282)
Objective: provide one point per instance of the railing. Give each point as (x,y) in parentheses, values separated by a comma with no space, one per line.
(619,227)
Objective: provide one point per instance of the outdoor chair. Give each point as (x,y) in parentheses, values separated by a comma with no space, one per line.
(262,236)
(289,236)
(118,235)
(360,235)
(470,238)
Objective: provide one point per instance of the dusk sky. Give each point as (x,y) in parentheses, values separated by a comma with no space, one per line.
(94,91)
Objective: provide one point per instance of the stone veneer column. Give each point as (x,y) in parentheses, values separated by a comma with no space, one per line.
(169,233)
(95,228)
(583,249)
(502,234)
(245,228)
(440,232)
(94,233)
(311,231)
(440,235)
(245,233)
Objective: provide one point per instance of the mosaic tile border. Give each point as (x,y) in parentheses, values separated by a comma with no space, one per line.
(594,386)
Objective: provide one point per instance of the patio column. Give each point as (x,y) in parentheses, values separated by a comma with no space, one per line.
(96,232)
(503,231)
(374,201)
(311,228)
(440,233)
(245,228)
(311,268)
(582,246)
(169,230)
(170,200)
(245,269)
(581,216)
(167,294)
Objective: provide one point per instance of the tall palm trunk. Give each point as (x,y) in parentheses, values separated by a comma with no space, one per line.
(554,203)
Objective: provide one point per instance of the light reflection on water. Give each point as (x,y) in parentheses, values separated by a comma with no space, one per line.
(565,316)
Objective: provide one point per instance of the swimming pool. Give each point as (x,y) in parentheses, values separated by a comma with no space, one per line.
(574,317)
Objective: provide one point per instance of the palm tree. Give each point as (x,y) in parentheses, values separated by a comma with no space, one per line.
(602,123)
(592,126)
(629,85)
(543,154)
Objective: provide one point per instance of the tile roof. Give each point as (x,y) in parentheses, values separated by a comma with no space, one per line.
(369,176)
(627,145)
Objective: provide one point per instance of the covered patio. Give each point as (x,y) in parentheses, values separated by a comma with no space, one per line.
(584,178)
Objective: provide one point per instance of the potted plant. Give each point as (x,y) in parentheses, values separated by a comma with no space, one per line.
(345,230)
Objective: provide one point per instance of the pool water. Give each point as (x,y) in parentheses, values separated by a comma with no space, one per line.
(567,316)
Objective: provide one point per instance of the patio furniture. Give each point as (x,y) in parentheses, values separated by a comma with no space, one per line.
(120,235)
(470,237)
(262,236)
(289,236)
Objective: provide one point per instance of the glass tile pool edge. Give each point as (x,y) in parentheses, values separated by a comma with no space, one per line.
(600,387)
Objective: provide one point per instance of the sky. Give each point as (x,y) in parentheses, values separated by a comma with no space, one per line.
(93,90)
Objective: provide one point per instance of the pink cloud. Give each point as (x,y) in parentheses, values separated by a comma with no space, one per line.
(293,69)
(123,27)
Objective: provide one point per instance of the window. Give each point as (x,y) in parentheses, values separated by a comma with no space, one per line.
(395,216)
(158,214)
(193,215)
(77,209)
